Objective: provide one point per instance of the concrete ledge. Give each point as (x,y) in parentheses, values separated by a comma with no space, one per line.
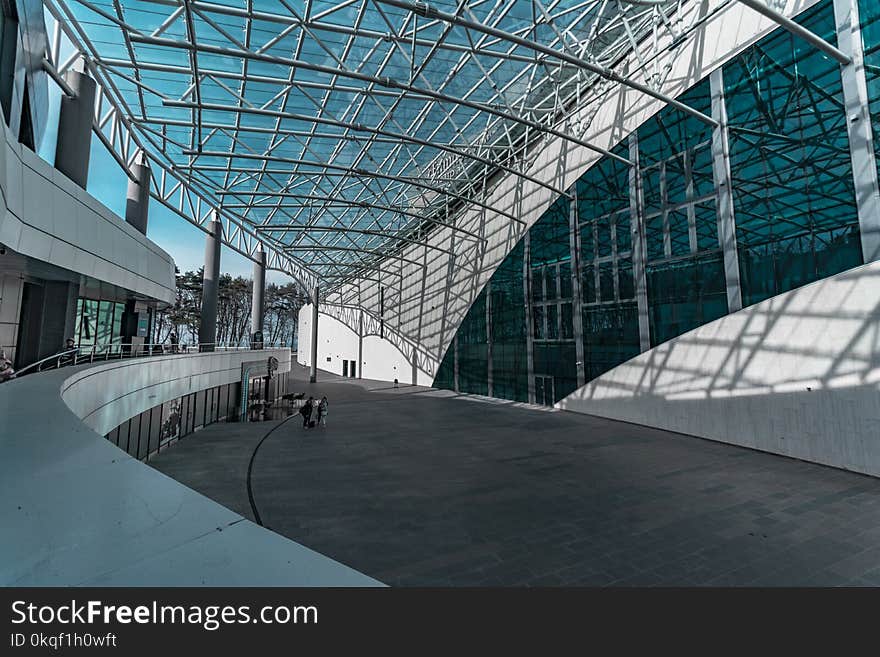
(46,216)
(798,375)
(76,510)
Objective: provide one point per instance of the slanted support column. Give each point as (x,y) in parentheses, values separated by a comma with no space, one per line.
(258,304)
(360,366)
(75,120)
(137,197)
(527,305)
(724,188)
(210,287)
(313,367)
(489,382)
(639,251)
(858,125)
(577,317)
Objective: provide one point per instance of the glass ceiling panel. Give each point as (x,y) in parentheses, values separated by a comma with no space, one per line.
(348,124)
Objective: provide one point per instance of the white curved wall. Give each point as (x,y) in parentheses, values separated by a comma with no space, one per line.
(77,510)
(798,374)
(107,395)
(381,359)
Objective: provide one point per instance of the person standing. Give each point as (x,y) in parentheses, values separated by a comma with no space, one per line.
(322,411)
(306,412)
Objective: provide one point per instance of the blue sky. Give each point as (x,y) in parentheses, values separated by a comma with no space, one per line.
(183,241)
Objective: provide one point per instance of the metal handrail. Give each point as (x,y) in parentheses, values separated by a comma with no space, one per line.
(112,350)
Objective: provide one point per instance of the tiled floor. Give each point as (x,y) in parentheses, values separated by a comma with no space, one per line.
(417,487)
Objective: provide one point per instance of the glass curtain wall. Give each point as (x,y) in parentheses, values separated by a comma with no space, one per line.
(610,315)
(554,364)
(793,191)
(98,323)
(685,272)
(794,210)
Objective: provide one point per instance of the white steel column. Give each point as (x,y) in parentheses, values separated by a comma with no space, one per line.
(724,188)
(313,361)
(639,252)
(489,382)
(527,305)
(858,124)
(577,319)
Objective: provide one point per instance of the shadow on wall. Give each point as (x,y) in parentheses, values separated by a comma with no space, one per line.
(798,374)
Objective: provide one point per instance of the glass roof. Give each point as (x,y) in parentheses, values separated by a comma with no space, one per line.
(343,131)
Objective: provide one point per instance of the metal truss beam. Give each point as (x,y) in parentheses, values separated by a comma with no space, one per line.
(798,30)
(423,9)
(360,127)
(391,84)
(357,171)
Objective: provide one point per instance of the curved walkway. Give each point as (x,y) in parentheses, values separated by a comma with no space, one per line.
(76,510)
(421,487)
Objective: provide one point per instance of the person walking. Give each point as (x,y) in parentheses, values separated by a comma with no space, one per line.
(306,412)
(322,411)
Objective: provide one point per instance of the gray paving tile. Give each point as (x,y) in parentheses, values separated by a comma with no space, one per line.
(419,489)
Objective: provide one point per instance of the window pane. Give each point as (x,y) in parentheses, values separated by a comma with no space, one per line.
(552,323)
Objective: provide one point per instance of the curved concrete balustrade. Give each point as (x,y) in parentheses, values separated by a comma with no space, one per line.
(76,510)
(798,374)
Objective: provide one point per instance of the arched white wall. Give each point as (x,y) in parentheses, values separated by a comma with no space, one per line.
(381,359)
(798,374)
(107,395)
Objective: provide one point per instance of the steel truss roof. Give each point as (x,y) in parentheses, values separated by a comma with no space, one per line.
(338,133)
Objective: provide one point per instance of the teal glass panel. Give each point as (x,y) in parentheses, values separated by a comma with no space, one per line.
(625,281)
(549,235)
(473,353)
(445,378)
(550,292)
(588,284)
(566,322)
(654,237)
(117,322)
(604,188)
(606,281)
(509,363)
(671,132)
(603,236)
(537,284)
(652,190)
(678,232)
(684,294)
(89,323)
(789,153)
(611,336)
(706,220)
(77,336)
(588,251)
(552,313)
(701,171)
(565,280)
(538,331)
(104,335)
(623,232)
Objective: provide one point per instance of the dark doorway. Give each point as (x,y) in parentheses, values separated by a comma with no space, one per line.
(28,345)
